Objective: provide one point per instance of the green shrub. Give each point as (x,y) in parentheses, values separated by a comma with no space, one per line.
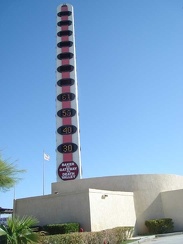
(54,229)
(159,226)
(116,235)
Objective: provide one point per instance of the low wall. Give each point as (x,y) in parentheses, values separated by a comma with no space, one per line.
(75,202)
(173,207)
(95,210)
(146,189)
(109,209)
(56,208)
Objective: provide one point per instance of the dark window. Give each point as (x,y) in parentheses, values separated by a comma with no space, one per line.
(64,22)
(65,44)
(65,56)
(65,68)
(64,33)
(65,82)
(64,13)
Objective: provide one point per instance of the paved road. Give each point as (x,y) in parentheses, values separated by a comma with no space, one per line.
(175,239)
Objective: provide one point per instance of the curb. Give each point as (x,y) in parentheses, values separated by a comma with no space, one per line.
(147,238)
(143,239)
(169,234)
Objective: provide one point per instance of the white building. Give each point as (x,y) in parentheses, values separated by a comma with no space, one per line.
(107,202)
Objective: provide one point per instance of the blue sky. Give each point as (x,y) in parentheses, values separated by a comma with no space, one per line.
(130,76)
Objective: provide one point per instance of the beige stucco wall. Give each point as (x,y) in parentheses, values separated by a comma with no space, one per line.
(56,208)
(173,207)
(94,209)
(146,189)
(109,209)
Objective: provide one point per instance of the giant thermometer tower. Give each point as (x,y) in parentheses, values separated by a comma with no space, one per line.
(67,121)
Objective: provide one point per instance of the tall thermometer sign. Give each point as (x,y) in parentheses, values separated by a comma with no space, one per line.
(67,121)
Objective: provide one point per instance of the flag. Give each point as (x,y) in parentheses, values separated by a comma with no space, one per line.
(46,157)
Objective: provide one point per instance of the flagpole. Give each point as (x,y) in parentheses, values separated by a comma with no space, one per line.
(43,172)
(14,193)
(47,158)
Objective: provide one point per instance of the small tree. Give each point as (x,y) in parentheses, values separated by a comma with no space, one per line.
(8,175)
(19,231)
